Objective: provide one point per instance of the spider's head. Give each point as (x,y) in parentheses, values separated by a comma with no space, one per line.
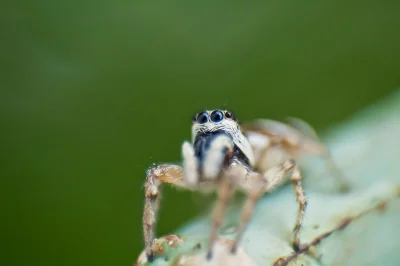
(214,122)
(210,123)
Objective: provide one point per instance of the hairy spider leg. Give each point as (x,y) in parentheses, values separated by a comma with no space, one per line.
(230,180)
(167,173)
(258,185)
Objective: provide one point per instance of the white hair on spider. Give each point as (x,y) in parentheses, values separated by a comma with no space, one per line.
(214,132)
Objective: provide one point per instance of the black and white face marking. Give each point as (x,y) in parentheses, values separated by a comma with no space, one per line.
(211,123)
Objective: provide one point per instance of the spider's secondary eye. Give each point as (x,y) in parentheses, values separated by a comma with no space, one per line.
(217,116)
(230,115)
(202,118)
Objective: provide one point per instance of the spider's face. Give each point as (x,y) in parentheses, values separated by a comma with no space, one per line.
(210,123)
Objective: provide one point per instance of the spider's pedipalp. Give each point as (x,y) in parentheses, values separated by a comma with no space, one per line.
(215,156)
(190,165)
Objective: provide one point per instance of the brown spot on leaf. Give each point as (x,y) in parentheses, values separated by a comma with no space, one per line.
(382,206)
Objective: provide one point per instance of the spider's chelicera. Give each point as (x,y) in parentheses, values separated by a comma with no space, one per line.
(253,158)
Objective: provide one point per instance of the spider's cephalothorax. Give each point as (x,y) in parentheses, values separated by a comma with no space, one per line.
(217,134)
(223,157)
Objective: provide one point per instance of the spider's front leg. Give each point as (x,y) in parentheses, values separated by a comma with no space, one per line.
(227,186)
(186,177)
(155,177)
(257,185)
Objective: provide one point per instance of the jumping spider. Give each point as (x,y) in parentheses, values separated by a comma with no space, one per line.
(223,157)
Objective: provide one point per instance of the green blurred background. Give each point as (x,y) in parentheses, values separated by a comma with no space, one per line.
(94,92)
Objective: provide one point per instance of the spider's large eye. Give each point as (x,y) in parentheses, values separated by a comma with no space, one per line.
(202,118)
(217,116)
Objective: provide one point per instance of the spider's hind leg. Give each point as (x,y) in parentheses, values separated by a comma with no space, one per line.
(302,201)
